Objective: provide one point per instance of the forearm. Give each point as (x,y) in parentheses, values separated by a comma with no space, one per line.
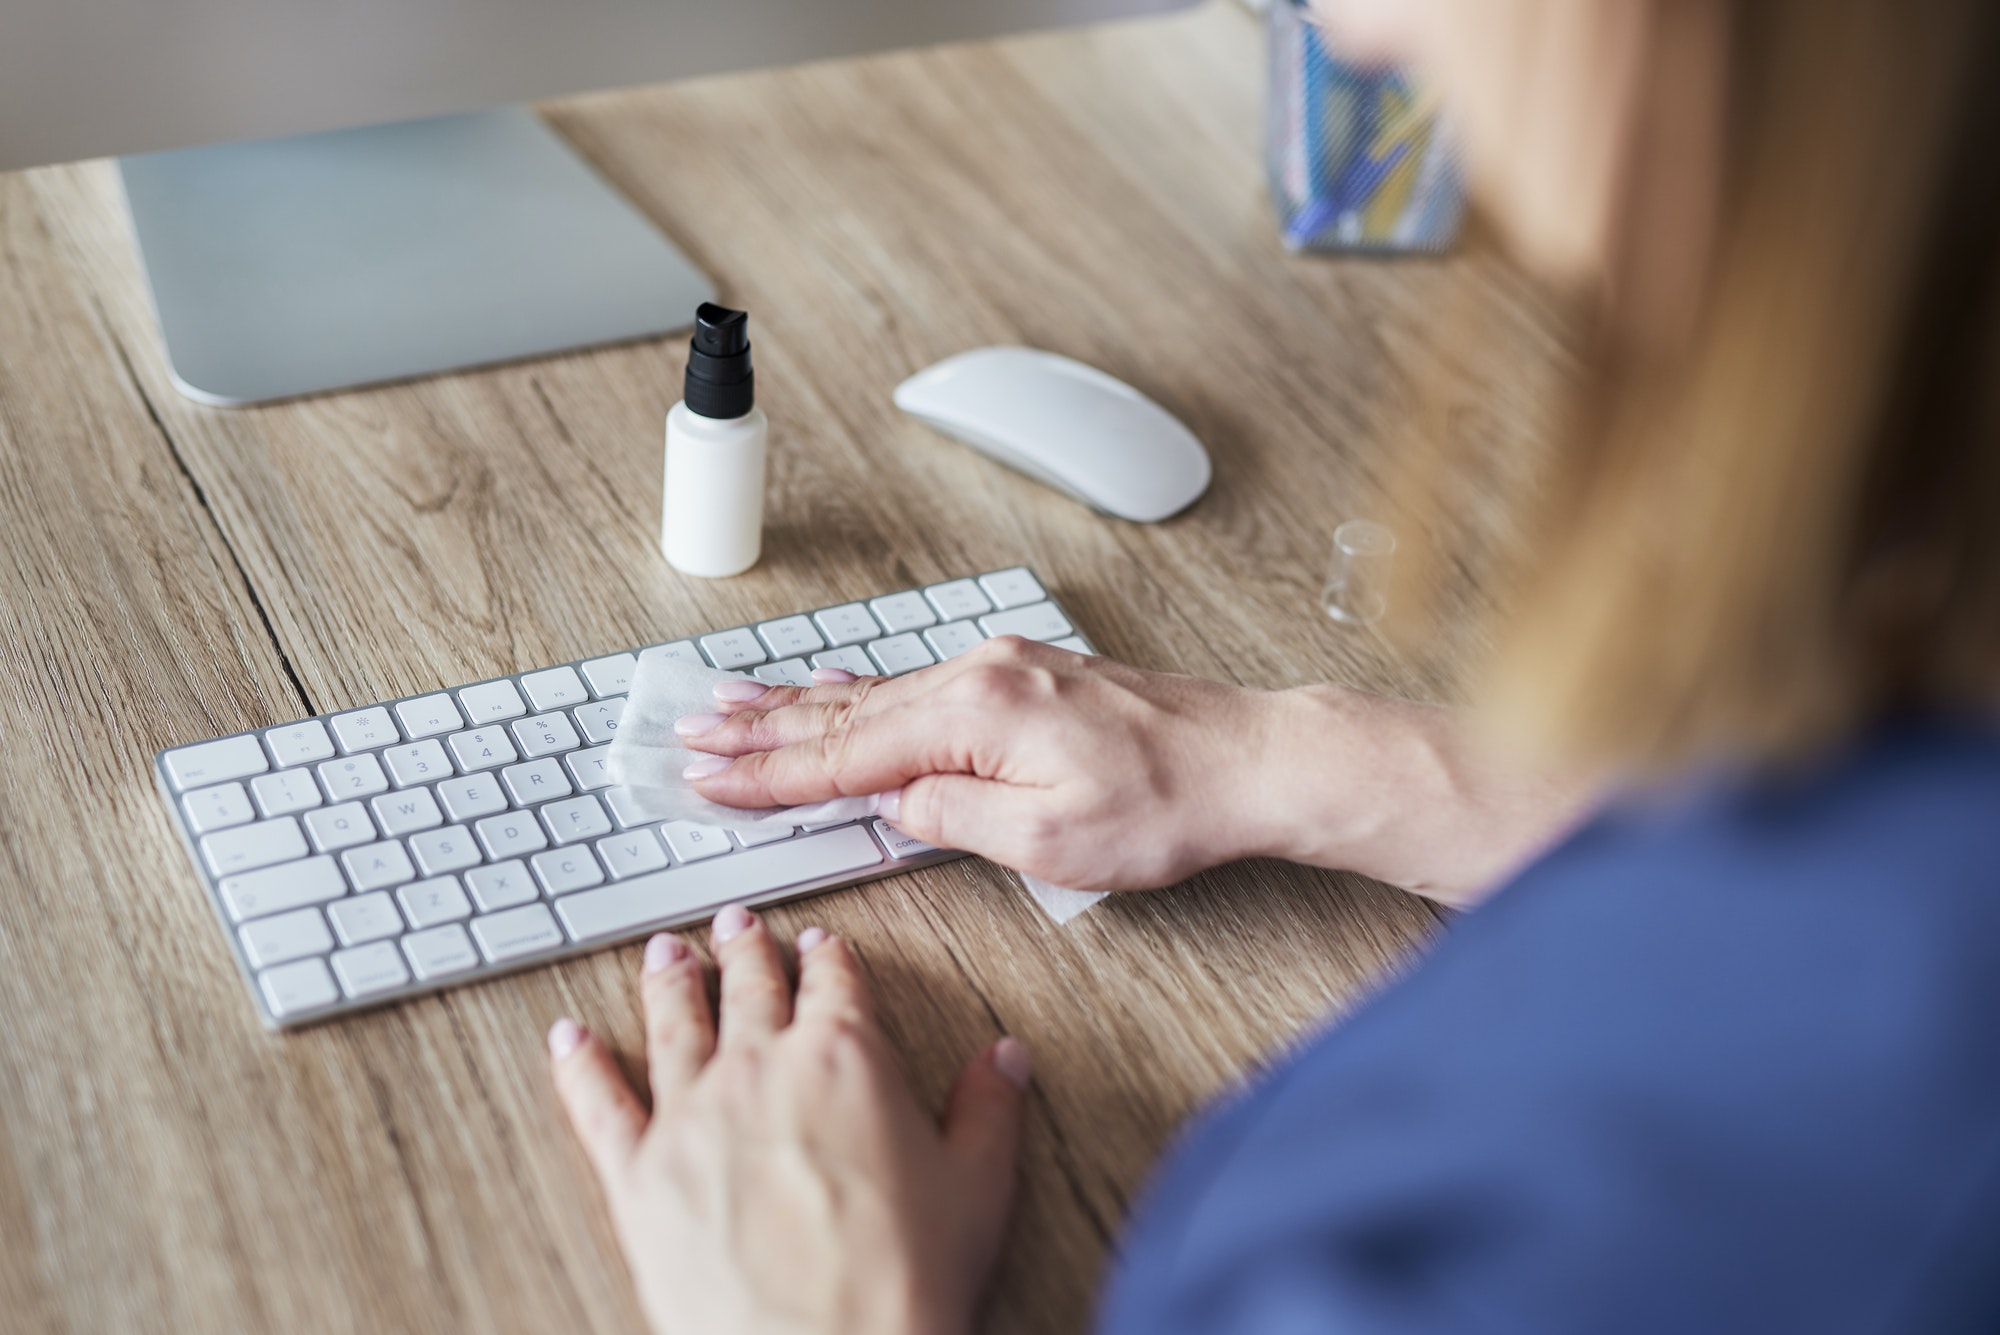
(1400,792)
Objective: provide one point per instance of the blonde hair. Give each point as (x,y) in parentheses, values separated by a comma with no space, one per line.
(1791,527)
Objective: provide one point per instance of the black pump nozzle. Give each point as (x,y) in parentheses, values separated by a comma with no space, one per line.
(720,383)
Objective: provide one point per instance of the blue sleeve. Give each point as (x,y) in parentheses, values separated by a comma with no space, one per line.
(1733,1068)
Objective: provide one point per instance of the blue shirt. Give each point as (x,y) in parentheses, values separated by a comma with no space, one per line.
(1727,1066)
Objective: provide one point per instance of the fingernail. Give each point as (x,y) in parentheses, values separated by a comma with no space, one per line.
(832,676)
(694,725)
(811,937)
(707,767)
(731,922)
(1010,1058)
(663,950)
(737,692)
(565,1037)
(889,805)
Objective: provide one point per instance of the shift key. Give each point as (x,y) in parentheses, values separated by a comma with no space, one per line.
(678,891)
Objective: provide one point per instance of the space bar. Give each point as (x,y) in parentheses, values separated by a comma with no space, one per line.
(706,885)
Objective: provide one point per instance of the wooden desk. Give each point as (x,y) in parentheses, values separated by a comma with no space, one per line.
(174,572)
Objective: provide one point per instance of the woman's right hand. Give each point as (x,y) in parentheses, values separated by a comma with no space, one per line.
(1100,776)
(1082,771)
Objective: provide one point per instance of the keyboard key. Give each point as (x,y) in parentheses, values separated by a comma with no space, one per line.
(491,702)
(440,851)
(360,918)
(1040,622)
(588,768)
(440,952)
(682,651)
(900,653)
(365,729)
(600,720)
(852,658)
(472,796)
(482,748)
(610,675)
(285,937)
(286,791)
(680,891)
(516,933)
(791,672)
(215,762)
(515,832)
(248,847)
(691,842)
(850,623)
(770,832)
(536,781)
(565,869)
(419,762)
(354,776)
(554,687)
(952,639)
(899,612)
(293,989)
(218,808)
(299,743)
(958,599)
(789,637)
(545,734)
(575,818)
(429,715)
(428,903)
(378,866)
(632,853)
(367,971)
(1074,644)
(625,808)
(733,648)
(290,885)
(501,885)
(901,845)
(406,812)
(339,827)
(1012,588)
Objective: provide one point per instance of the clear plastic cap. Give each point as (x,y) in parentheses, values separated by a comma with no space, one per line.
(1357,582)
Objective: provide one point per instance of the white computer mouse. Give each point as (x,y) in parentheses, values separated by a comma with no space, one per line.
(1066,424)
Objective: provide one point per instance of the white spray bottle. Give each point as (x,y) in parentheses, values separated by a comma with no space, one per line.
(712,515)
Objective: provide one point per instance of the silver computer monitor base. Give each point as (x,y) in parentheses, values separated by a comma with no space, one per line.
(292,266)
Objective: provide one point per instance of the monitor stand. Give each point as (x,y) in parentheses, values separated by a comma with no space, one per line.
(292,266)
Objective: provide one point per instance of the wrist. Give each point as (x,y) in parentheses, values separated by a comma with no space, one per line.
(1393,790)
(1326,773)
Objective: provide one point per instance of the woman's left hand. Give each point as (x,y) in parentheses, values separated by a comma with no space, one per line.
(786,1178)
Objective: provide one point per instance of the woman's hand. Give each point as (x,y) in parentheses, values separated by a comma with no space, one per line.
(1099,776)
(786,1179)
(1085,772)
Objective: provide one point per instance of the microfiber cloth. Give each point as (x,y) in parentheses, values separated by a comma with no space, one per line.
(647,758)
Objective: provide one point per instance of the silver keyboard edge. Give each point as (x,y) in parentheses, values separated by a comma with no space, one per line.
(346,1007)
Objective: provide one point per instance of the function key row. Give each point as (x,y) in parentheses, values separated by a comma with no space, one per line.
(847,636)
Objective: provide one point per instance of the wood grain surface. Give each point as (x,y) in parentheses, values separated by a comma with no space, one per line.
(174,572)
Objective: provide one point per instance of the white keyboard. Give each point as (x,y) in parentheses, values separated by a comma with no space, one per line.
(376,854)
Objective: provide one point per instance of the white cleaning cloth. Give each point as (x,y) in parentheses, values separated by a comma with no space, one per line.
(1059,902)
(647,758)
